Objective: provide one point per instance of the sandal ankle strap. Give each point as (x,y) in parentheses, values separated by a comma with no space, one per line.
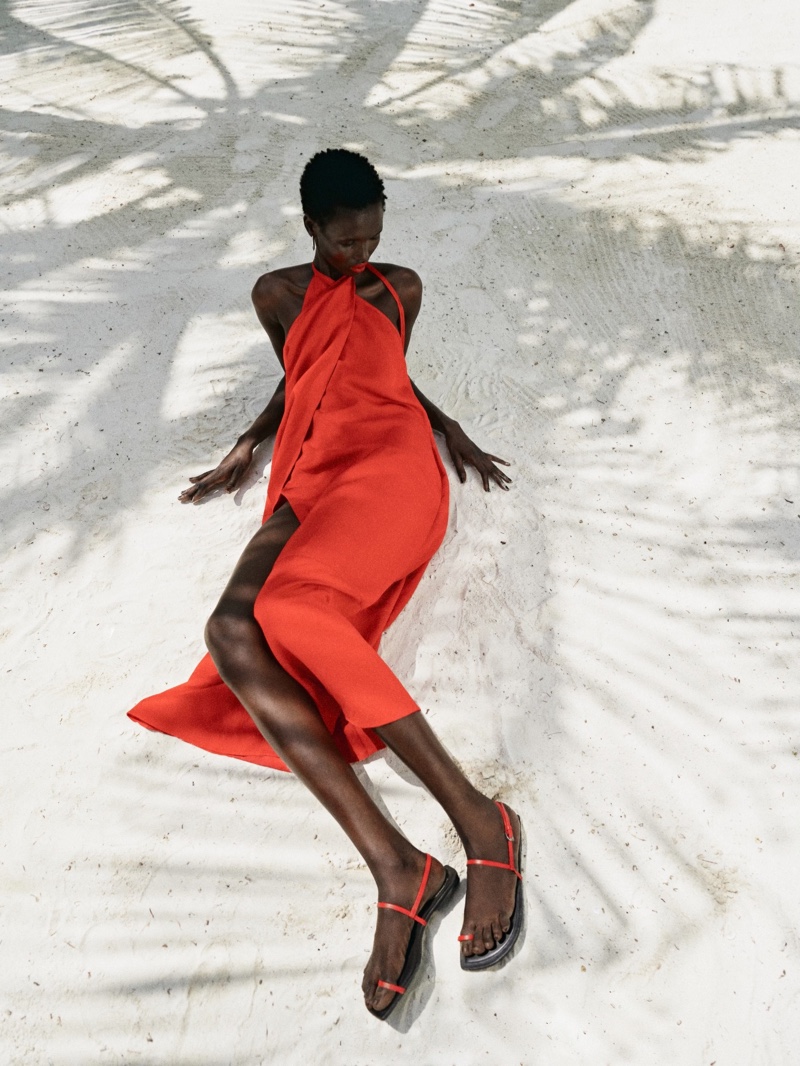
(417,902)
(509,832)
(402,910)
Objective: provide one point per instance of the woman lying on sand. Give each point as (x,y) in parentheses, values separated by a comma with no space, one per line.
(357,505)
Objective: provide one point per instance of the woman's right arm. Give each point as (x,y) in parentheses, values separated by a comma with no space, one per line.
(228,475)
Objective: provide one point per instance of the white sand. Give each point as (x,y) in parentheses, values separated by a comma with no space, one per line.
(602,198)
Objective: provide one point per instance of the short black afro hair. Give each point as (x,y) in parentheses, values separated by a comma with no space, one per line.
(338,178)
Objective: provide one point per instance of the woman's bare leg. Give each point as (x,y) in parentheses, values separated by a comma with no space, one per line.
(490,892)
(290,722)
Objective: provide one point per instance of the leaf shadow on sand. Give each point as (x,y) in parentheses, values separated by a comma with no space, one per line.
(560,87)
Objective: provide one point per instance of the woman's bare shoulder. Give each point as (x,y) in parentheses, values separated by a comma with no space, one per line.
(273,289)
(407,284)
(402,278)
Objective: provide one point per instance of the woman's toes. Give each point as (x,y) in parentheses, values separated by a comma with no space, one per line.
(466,945)
(375,998)
(379,998)
(479,945)
(369,986)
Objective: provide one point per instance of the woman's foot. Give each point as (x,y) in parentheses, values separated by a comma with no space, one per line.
(491,892)
(393,931)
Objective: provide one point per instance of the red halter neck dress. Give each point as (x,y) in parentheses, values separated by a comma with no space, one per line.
(356,460)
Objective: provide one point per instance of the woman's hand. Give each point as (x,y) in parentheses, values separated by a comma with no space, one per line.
(462,450)
(465,453)
(228,475)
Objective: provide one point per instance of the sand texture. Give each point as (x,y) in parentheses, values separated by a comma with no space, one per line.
(602,198)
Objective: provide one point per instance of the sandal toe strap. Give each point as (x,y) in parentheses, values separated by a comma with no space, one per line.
(390,987)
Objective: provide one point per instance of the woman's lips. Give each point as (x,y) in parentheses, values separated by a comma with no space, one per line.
(359,269)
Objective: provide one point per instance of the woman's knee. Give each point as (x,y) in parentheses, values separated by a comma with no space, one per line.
(228,633)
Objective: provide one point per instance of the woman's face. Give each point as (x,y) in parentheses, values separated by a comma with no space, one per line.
(346,241)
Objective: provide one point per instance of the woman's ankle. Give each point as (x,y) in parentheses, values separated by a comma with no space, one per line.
(396,871)
(477,822)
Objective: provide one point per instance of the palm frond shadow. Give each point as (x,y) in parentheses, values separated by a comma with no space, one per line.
(194,165)
(206,173)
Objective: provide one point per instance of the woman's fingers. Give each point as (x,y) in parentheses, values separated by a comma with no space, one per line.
(228,475)
(496,475)
(188,494)
(201,485)
(192,495)
(458,463)
(202,491)
(484,464)
(501,477)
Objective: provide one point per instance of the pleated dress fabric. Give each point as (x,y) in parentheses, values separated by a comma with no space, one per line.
(356,460)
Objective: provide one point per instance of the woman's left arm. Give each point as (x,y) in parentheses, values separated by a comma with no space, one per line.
(463,451)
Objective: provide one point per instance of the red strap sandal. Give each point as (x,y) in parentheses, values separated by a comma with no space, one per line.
(420,917)
(499,951)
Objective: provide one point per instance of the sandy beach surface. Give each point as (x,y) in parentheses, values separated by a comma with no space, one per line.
(602,198)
